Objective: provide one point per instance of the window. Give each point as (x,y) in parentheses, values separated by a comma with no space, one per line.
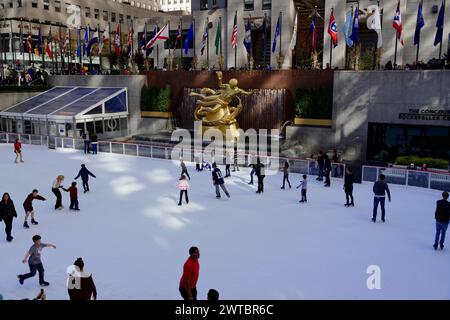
(10,3)
(46,4)
(34,3)
(203,4)
(120,18)
(87,12)
(96,13)
(138,4)
(128,19)
(2,6)
(105,15)
(249,4)
(57,5)
(266,4)
(113,17)
(19,3)
(67,7)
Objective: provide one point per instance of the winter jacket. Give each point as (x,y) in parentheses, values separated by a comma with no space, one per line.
(94,138)
(217,176)
(320,160)
(87,289)
(442,211)
(183,185)
(73,192)
(28,203)
(380,188)
(348,180)
(259,168)
(7,209)
(84,174)
(286,170)
(183,166)
(17,147)
(303,184)
(327,163)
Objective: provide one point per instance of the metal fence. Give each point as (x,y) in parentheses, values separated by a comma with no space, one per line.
(414,178)
(156,151)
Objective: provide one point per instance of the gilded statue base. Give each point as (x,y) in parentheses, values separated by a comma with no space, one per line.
(229,132)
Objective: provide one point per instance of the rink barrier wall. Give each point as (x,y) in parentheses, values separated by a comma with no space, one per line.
(159,151)
(408,177)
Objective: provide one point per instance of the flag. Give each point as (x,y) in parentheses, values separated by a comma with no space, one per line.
(21,40)
(332,29)
(355,28)
(66,41)
(144,37)
(294,34)
(234,33)
(117,48)
(86,41)
(39,42)
(78,51)
(105,38)
(48,46)
(204,37)
(179,32)
(277,34)
(420,23)
(29,46)
(130,42)
(347,28)
(218,41)
(374,23)
(440,25)
(313,31)
(92,42)
(397,24)
(161,36)
(189,38)
(248,36)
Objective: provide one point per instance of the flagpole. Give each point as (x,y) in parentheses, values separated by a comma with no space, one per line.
(377,50)
(443,26)
(250,53)
(12,44)
(331,45)
(194,64)
(79,47)
(69,56)
(264,42)
(100,51)
(110,47)
(418,44)
(235,48)
(90,51)
(281,24)
(55,53)
(51,50)
(21,44)
(207,42)
(157,51)
(63,60)
(181,43)
(41,48)
(30,49)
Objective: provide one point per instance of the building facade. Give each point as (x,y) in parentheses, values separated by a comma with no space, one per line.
(176,5)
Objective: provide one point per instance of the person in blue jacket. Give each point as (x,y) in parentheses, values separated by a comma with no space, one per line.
(380,189)
(218,181)
(84,173)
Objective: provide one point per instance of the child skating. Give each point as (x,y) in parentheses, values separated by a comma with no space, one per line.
(304,186)
(183,185)
(84,173)
(28,206)
(73,192)
(33,256)
(184,171)
(18,151)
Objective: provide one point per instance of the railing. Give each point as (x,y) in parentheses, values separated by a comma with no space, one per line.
(422,179)
(159,151)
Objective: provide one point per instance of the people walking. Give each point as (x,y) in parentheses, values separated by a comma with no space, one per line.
(218,181)
(81,284)
(7,214)
(380,189)
(18,151)
(327,169)
(286,175)
(84,173)
(94,142)
(304,187)
(184,170)
(189,279)
(73,192)
(33,256)
(28,206)
(260,174)
(320,165)
(57,184)
(183,185)
(87,142)
(442,216)
(348,187)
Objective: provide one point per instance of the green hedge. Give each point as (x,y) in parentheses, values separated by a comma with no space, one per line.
(314,103)
(24,88)
(430,162)
(155,99)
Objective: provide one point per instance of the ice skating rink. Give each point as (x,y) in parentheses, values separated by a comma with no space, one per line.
(134,238)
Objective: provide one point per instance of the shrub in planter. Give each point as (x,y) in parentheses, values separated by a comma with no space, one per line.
(155,99)
(430,162)
(314,103)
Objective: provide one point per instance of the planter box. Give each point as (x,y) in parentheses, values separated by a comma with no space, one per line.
(156,114)
(313,122)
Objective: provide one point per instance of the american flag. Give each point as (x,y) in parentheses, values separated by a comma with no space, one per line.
(234,35)
(30,49)
(397,24)
(179,32)
(66,41)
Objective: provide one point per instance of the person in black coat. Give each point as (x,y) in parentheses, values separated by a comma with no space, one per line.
(218,181)
(320,164)
(7,214)
(380,189)
(442,216)
(327,168)
(348,187)
(286,174)
(81,284)
(84,173)
(261,175)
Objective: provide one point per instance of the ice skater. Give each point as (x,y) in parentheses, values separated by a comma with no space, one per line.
(87,142)
(348,187)
(33,256)
(304,185)
(260,174)
(327,168)
(94,142)
(84,173)
(73,192)
(191,270)
(320,165)
(228,161)
(252,164)
(28,206)
(197,162)
(206,165)
(380,189)
(218,181)
(184,171)
(442,216)
(57,184)
(235,165)
(18,151)
(286,175)
(85,290)
(183,185)
(7,214)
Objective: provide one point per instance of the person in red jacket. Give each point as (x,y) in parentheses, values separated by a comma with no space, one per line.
(188,281)
(28,206)
(18,151)
(73,191)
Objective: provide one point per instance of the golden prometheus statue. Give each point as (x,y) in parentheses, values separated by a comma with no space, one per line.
(218,109)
